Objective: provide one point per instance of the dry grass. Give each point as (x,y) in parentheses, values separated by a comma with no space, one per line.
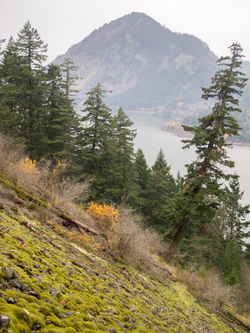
(208,288)
(37,178)
(243,290)
(10,154)
(131,242)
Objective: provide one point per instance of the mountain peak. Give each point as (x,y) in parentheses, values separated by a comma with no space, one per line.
(143,63)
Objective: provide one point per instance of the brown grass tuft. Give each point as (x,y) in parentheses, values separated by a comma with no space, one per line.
(208,288)
(131,242)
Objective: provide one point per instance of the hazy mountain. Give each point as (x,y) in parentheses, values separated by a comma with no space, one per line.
(145,64)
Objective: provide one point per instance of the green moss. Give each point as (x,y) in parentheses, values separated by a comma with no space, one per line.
(77,299)
(67,284)
(33,306)
(36,322)
(21,328)
(46,296)
(11,293)
(46,310)
(69,330)
(55,309)
(29,299)
(53,320)
(2,301)
(92,307)
(72,305)
(52,329)
(141,329)
(102,327)
(90,325)
(85,317)
(32,206)
(19,317)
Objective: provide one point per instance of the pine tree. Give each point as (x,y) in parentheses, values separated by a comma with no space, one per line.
(97,139)
(71,121)
(124,142)
(237,227)
(230,262)
(142,169)
(10,90)
(205,174)
(142,178)
(160,191)
(55,112)
(30,50)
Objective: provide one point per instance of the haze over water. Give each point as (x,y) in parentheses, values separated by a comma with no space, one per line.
(151,137)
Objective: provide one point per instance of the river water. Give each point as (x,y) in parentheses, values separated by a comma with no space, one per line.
(151,137)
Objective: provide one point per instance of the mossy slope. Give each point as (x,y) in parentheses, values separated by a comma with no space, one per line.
(53,286)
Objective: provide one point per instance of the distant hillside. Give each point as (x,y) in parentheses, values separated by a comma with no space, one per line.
(143,63)
(149,68)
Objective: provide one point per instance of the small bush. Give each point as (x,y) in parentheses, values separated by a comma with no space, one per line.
(209,287)
(106,217)
(39,179)
(10,155)
(243,290)
(230,263)
(131,242)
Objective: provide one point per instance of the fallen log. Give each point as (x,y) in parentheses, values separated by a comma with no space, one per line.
(78,224)
(26,223)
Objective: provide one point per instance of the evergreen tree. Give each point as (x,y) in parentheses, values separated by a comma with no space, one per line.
(179,182)
(237,228)
(97,139)
(31,51)
(68,116)
(230,263)
(55,112)
(124,141)
(37,103)
(206,245)
(10,90)
(206,173)
(142,169)
(142,178)
(160,191)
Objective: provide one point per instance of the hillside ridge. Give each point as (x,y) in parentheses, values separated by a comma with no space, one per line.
(51,284)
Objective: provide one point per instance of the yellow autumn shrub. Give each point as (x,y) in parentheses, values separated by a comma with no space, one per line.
(106,216)
(27,166)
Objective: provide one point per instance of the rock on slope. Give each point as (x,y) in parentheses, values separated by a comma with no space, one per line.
(50,285)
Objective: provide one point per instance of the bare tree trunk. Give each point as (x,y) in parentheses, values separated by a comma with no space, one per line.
(176,240)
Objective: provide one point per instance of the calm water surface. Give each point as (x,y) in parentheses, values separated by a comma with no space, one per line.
(150,138)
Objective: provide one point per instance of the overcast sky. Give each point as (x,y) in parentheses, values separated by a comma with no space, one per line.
(62,23)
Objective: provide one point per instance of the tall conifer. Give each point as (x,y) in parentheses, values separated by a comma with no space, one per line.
(31,52)
(206,174)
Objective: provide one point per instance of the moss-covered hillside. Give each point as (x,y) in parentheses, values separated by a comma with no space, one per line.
(48,284)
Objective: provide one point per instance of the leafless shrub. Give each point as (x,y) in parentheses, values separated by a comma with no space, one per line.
(69,191)
(206,288)
(131,242)
(243,290)
(10,154)
(37,178)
